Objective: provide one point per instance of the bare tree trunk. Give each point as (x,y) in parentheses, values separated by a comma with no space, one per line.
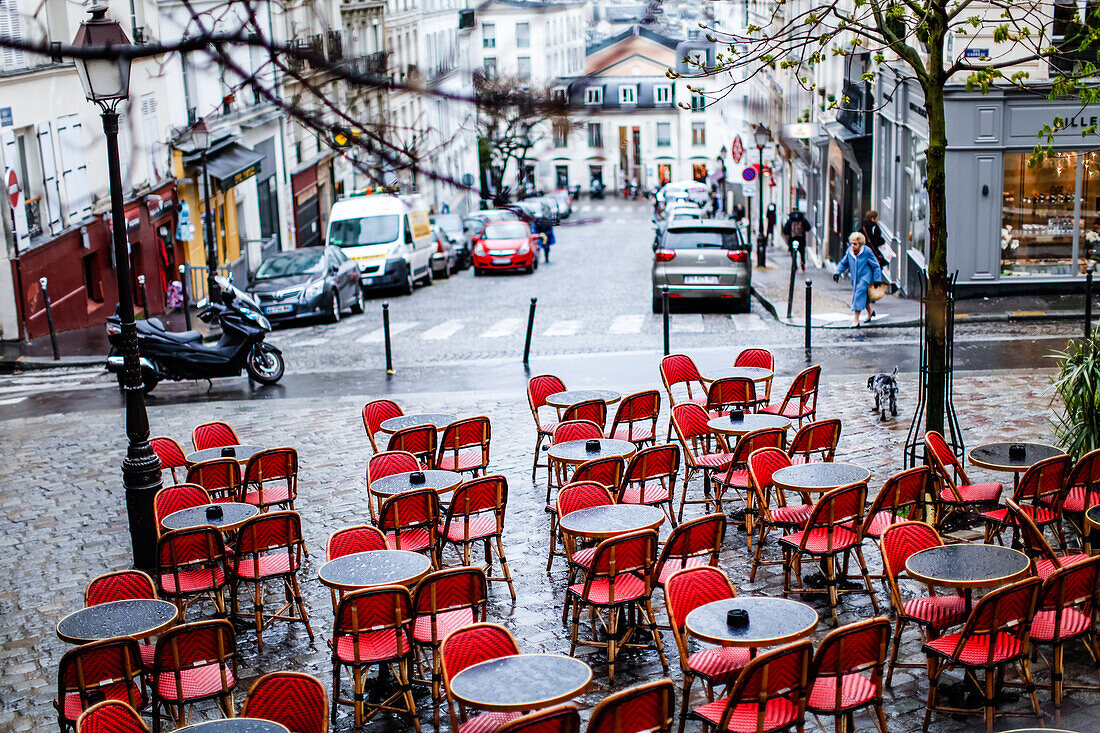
(935,318)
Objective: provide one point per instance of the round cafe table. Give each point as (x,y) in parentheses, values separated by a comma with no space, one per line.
(521,682)
(400,483)
(234,514)
(750,421)
(818,478)
(236,725)
(576,452)
(139,618)
(772,621)
(994,457)
(375,567)
(601,522)
(241,452)
(1092,524)
(572,396)
(438,419)
(968,566)
(756,374)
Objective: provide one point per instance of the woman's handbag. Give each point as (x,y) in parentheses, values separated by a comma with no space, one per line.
(876,292)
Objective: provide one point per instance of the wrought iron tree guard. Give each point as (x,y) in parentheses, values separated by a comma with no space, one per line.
(914,440)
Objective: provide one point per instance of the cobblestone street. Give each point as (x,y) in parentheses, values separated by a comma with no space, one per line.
(64,523)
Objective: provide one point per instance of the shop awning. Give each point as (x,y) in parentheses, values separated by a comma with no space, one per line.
(842,136)
(230,164)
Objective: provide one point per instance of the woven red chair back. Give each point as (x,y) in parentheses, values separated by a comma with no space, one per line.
(903,491)
(1072,586)
(1034,543)
(631,553)
(763,463)
(123,585)
(839,506)
(378,411)
(111,667)
(541,387)
(412,509)
(295,700)
(607,471)
(387,607)
(759,358)
(420,440)
(568,430)
(817,440)
(592,410)
(488,494)
(449,590)
(691,588)
(221,477)
(1044,481)
(474,644)
(645,708)
(699,539)
(582,495)
(388,463)
(690,421)
(169,452)
(176,498)
(466,433)
(852,648)
(941,458)
(560,719)
(350,540)
(202,643)
(729,392)
(270,534)
(644,405)
(275,463)
(757,439)
(903,540)
(185,549)
(1004,608)
(653,463)
(679,368)
(1085,477)
(782,673)
(214,435)
(111,716)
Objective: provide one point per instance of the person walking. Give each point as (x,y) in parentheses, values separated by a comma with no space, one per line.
(796,229)
(545,229)
(770,219)
(873,234)
(862,267)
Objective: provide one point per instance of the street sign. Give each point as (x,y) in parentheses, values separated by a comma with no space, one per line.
(749,174)
(13,188)
(737,149)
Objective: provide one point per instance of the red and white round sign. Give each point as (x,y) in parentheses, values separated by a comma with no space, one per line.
(13,188)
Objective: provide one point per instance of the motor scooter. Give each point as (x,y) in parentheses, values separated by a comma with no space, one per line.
(179,355)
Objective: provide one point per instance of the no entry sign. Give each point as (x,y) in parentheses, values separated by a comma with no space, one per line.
(737,149)
(13,188)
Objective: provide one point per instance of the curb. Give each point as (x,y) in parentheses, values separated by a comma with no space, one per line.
(31,363)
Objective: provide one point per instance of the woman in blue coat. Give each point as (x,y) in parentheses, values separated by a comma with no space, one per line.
(862,266)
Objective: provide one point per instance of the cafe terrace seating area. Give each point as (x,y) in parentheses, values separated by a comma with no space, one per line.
(972,574)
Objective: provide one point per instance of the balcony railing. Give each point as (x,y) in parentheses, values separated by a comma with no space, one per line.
(370,65)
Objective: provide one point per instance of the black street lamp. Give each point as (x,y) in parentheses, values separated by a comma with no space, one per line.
(106,82)
(762,135)
(200,139)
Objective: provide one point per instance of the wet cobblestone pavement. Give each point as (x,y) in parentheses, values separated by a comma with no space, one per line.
(64,523)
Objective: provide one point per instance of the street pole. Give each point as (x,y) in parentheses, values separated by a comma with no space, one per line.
(761,236)
(790,288)
(1088,301)
(141,467)
(208,233)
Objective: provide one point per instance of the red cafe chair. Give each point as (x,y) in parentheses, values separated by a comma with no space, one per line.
(846,672)
(375,413)
(932,614)
(1044,561)
(650,478)
(349,540)
(171,455)
(558,719)
(194,662)
(996,636)
(176,498)
(636,418)
(295,700)
(800,402)
(703,451)
(1082,490)
(901,499)
(109,669)
(220,477)
(591,410)
(409,521)
(574,497)
(565,432)
(955,493)
(111,716)
(476,515)
(761,359)
(607,471)
(420,440)
(464,446)
(695,543)
(768,695)
(685,590)
(464,648)
(123,585)
(268,548)
(731,393)
(1039,494)
(271,479)
(214,435)
(645,708)
(190,566)
(815,442)
(768,515)
(387,463)
(1066,612)
(538,389)
(445,601)
(679,371)
(737,475)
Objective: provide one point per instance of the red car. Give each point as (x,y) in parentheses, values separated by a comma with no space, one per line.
(505,245)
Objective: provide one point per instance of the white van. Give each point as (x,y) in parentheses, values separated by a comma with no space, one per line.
(388,236)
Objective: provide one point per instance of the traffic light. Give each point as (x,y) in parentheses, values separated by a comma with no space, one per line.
(345,138)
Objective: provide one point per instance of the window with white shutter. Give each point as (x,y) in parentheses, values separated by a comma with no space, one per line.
(11,26)
(74,172)
(49,178)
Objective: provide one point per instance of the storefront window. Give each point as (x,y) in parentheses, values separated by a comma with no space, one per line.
(1090,206)
(1038,224)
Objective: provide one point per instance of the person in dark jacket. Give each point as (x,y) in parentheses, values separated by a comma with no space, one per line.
(770,220)
(796,229)
(871,231)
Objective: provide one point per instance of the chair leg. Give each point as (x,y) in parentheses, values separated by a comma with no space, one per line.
(894,646)
(403,668)
(535,460)
(258,614)
(553,540)
(1056,667)
(575,625)
(758,553)
(297,590)
(930,703)
(880,719)
(652,623)
(1029,684)
(866,577)
(786,571)
(990,692)
(335,690)
(504,567)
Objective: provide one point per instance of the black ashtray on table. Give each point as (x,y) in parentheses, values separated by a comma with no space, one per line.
(592,446)
(737,415)
(229,452)
(737,618)
(214,512)
(417,477)
(1017,452)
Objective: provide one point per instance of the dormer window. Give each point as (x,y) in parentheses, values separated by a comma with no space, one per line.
(593,95)
(662,94)
(628,95)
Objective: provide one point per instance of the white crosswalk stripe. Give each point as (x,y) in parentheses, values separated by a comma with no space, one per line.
(748,322)
(376,336)
(562,328)
(503,327)
(627,324)
(443,330)
(686,324)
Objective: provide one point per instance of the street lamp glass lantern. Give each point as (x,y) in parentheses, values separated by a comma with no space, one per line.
(762,135)
(105,81)
(200,135)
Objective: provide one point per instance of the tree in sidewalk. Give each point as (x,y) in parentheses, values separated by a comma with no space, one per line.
(513,117)
(931,43)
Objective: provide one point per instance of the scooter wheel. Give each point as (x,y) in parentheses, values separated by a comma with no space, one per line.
(265,364)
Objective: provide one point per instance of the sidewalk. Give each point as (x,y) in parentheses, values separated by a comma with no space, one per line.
(832,301)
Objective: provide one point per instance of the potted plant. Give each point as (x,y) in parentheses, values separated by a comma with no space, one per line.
(1078,384)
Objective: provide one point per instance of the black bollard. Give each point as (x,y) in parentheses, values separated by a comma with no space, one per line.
(1088,302)
(530,330)
(809,309)
(761,249)
(183,292)
(664,311)
(386,334)
(49,319)
(144,297)
(790,288)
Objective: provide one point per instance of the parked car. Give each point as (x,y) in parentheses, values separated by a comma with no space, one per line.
(565,202)
(451,227)
(444,259)
(678,211)
(690,190)
(473,223)
(505,245)
(306,283)
(703,259)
